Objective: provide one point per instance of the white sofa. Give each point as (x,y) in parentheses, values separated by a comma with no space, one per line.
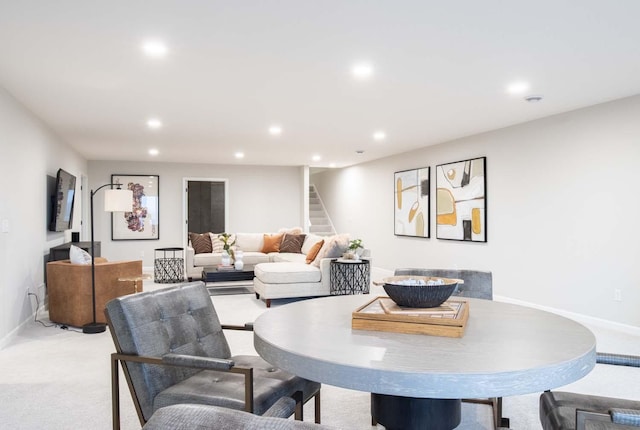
(251,245)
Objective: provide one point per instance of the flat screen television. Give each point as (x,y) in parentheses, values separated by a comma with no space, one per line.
(62,201)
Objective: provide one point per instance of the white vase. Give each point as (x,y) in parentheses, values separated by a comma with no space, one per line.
(239,265)
(226,259)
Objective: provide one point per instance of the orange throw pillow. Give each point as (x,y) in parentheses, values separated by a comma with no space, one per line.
(272,243)
(313,252)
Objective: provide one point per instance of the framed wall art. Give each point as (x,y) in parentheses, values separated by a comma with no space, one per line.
(411,202)
(461,200)
(143,222)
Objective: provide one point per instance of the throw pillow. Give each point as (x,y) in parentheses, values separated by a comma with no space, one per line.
(271,243)
(292,230)
(292,243)
(313,252)
(79,255)
(333,247)
(201,243)
(216,244)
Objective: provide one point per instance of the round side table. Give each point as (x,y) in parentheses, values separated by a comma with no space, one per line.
(168,265)
(349,277)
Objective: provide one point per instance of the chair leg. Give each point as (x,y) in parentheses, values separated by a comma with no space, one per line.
(299,412)
(115,395)
(317,407)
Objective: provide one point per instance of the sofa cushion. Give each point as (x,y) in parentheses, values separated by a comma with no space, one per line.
(271,242)
(333,247)
(292,243)
(313,252)
(201,243)
(286,273)
(250,241)
(310,240)
(287,257)
(292,230)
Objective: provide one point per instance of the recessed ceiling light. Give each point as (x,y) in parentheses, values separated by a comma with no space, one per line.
(379,135)
(362,70)
(154,123)
(332,165)
(518,87)
(316,158)
(154,152)
(275,130)
(239,155)
(154,48)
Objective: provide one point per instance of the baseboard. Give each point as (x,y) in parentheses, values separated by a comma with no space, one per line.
(581,318)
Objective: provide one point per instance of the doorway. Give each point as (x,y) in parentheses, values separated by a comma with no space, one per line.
(205,205)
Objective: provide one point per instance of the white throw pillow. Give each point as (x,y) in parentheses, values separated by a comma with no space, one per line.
(79,255)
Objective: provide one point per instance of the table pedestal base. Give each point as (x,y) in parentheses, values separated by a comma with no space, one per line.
(407,413)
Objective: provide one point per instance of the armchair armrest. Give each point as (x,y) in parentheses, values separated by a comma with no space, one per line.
(197,362)
(283,408)
(618,359)
(246,327)
(627,417)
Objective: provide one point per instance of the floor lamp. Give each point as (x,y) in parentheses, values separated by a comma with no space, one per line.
(117,200)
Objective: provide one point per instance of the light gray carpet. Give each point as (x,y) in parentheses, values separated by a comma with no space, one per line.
(59,379)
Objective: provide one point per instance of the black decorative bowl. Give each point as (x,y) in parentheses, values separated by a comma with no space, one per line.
(409,291)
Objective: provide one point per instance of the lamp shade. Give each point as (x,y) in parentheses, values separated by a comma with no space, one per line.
(118,200)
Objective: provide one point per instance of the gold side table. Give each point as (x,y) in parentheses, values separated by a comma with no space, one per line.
(135,280)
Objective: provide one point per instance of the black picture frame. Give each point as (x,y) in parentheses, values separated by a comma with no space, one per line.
(461,200)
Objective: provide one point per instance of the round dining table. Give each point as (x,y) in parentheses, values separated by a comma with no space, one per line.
(418,380)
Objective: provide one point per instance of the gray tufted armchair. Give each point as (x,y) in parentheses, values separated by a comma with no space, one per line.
(561,410)
(173,351)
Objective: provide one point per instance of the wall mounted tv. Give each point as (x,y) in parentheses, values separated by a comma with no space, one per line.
(62,201)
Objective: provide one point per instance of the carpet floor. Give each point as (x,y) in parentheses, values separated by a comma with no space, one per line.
(52,378)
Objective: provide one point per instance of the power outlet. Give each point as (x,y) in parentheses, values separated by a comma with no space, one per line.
(617,295)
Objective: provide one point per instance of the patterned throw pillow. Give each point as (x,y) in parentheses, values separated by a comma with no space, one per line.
(201,243)
(292,243)
(313,252)
(271,243)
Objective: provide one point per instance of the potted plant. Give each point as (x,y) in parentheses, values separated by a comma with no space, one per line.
(352,250)
(226,246)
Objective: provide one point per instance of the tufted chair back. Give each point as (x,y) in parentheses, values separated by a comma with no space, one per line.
(179,320)
(477,284)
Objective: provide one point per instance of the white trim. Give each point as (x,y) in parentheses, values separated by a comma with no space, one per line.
(584,319)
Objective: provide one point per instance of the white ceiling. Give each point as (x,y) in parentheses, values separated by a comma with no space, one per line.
(236,67)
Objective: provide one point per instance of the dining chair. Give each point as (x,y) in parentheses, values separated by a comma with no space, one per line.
(206,417)
(172,349)
(561,410)
(477,284)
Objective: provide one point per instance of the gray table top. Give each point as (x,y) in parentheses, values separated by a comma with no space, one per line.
(506,350)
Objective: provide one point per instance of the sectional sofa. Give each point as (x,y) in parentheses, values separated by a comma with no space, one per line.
(286,264)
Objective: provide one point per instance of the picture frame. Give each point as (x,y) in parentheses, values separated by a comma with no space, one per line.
(461,200)
(412,206)
(143,222)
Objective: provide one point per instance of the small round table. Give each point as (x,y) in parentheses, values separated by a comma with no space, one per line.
(349,277)
(168,265)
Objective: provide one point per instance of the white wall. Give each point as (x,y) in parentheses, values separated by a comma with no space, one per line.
(261,199)
(562,208)
(29,153)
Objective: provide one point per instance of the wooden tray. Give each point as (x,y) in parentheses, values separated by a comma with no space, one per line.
(439,322)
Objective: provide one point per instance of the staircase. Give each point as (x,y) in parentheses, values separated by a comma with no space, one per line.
(319,221)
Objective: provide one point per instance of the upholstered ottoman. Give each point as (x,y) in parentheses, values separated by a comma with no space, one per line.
(286,280)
